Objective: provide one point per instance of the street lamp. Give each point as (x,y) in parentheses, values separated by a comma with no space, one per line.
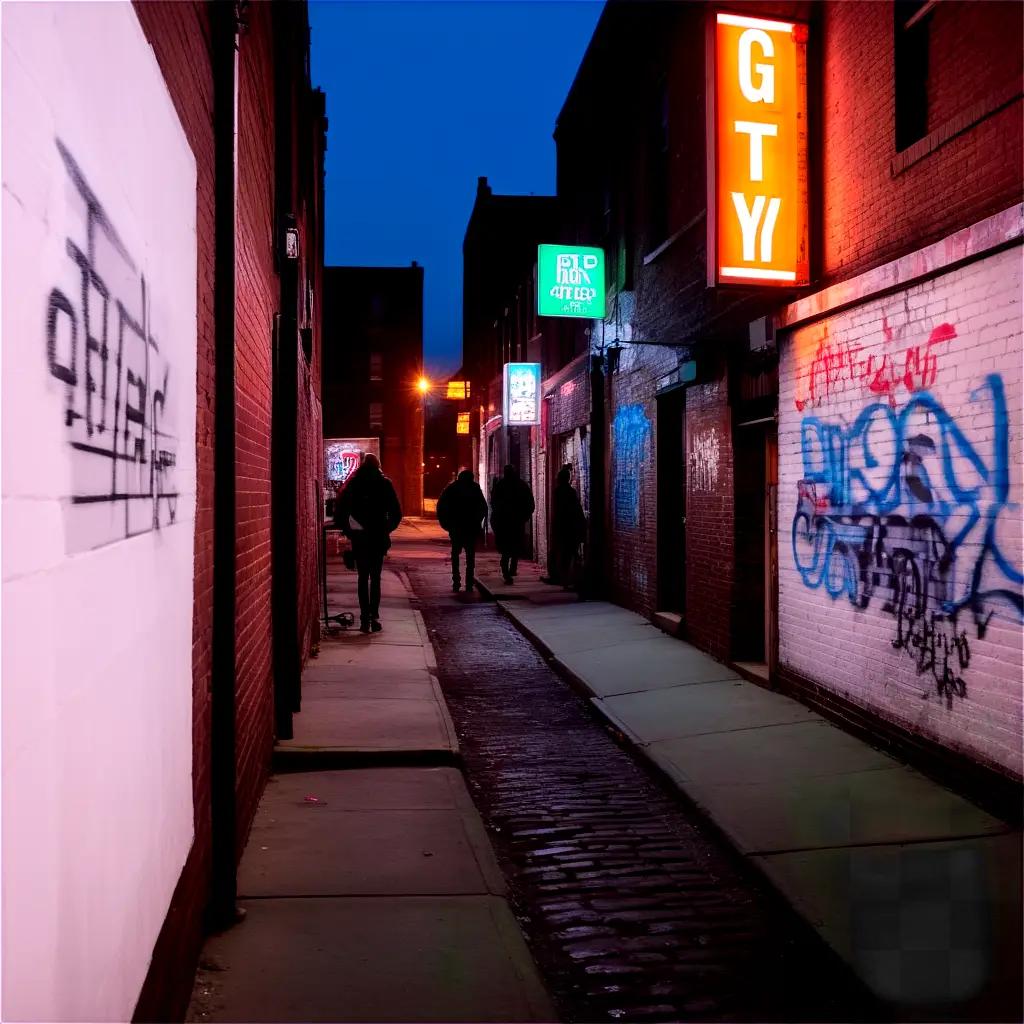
(422,386)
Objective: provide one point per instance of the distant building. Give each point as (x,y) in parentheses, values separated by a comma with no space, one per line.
(373,360)
(500,324)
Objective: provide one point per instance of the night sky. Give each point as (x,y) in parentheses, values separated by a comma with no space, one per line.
(422,97)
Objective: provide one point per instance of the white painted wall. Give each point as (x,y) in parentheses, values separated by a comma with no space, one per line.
(97,593)
(918,397)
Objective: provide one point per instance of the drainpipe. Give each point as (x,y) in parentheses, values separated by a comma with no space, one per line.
(284,397)
(222,911)
(598,469)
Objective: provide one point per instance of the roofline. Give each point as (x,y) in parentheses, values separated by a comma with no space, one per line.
(587,56)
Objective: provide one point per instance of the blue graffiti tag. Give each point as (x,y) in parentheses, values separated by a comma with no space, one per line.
(906,504)
(632,433)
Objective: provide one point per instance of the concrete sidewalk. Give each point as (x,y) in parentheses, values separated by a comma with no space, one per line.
(916,888)
(371,893)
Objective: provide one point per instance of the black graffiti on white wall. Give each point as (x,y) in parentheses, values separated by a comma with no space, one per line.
(101,344)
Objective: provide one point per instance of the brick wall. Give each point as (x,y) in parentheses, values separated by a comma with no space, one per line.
(309,496)
(178,33)
(633,483)
(258,292)
(872,209)
(900,495)
(709,516)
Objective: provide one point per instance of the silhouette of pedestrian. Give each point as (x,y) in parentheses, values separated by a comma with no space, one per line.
(461,511)
(511,507)
(568,528)
(367,511)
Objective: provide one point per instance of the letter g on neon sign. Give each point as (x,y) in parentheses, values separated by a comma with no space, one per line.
(765,92)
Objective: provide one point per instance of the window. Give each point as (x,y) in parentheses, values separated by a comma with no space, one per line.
(911,26)
(376,416)
(376,366)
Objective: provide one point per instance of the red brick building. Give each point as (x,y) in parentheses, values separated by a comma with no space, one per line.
(281,129)
(373,360)
(743,489)
(500,325)
(204,552)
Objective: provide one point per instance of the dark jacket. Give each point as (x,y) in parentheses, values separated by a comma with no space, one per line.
(511,507)
(369,498)
(461,509)
(568,523)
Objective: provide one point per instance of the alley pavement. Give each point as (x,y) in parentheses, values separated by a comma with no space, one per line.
(593,888)
(370,887)
(915,887)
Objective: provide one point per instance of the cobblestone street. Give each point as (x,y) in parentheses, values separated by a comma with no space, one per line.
(634,908)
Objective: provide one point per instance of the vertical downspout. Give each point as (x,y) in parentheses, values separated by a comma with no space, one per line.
(284,398)
(225,35)
(596,560)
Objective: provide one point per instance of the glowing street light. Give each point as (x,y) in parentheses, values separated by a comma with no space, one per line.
(423,385)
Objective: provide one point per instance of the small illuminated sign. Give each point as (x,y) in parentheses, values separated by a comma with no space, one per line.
(570,281)
(457,389)
(758,153)
(522,394)
(462,423)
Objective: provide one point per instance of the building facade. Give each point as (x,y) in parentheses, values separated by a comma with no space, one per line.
(373,361)
(501,325)
(818,484)
(148,661)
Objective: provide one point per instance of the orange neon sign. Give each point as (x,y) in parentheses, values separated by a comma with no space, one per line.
(758,176)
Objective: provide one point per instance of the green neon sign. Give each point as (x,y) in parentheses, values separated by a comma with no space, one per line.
(570,281)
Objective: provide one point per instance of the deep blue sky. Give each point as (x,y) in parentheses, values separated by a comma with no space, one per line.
(422,97)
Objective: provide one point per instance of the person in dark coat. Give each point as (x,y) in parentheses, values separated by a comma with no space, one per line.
(511,508)
(461,511)
(568,527)
(367,512)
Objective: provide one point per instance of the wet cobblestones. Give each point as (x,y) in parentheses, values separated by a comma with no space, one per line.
(635,910)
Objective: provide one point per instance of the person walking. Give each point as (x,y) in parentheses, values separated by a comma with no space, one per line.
(568,528)
(461,511)
(367,512)
(511,507)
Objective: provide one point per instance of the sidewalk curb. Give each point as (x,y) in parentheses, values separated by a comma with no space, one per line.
(320,759)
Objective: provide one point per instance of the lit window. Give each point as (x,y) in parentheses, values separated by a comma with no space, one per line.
(376,366)
(376,415)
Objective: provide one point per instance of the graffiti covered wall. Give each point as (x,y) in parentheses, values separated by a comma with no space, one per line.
(900,580)
(343,455)
(99,480)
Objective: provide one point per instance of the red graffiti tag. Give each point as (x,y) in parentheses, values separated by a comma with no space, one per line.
(838,363)
(349,462)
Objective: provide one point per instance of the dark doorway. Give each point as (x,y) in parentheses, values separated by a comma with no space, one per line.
(755,453)
(671,502)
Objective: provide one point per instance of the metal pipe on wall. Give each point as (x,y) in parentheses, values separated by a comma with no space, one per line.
(222,910)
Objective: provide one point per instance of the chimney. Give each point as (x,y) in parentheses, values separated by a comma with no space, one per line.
(482,188)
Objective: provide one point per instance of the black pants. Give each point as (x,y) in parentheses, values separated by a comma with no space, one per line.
(509,563)
(460,544)
(563,558)
(369,565)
